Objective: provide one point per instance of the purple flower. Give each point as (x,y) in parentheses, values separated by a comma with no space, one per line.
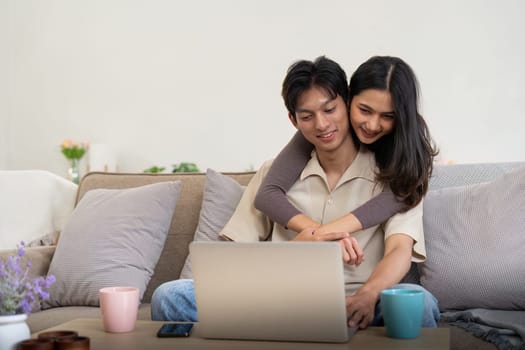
(21,251)
(18,292)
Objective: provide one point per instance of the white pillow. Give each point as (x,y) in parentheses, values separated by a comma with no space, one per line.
(34,204)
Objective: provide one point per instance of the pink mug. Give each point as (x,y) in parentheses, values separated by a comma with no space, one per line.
(119,307)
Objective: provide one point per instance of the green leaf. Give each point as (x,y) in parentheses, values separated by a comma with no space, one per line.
(155,169)
(185,167)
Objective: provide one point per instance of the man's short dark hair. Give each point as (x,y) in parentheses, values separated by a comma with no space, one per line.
(304,74)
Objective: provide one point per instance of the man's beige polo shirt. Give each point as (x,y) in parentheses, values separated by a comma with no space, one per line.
(310,194)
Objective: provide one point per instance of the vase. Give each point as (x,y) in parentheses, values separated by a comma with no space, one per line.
(13,329)
(73,171)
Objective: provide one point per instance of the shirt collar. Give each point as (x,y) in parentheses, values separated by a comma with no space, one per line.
(363,166)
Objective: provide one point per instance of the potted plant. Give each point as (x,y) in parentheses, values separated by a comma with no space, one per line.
(73,152)
(19,294)
(184,167)
(154,169)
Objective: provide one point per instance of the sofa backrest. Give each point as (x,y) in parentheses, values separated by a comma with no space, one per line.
(185,218)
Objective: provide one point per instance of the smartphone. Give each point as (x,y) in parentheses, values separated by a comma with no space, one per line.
(175,330)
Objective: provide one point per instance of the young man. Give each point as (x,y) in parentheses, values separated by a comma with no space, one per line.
(338,178)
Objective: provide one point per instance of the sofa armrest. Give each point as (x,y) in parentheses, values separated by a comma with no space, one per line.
(40,258)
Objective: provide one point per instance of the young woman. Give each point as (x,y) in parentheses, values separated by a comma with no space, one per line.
(383,110)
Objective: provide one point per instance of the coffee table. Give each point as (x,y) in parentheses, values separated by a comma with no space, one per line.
(144,337)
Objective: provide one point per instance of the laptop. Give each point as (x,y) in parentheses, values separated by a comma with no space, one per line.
(282,291)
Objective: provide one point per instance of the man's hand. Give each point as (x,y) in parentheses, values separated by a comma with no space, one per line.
(360,308)
(389,271)
(352,252)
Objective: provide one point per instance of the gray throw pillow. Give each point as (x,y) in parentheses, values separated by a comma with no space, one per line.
(113,238)
(220,198)
(475,237)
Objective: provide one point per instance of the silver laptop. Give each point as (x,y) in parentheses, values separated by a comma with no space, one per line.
(282,291)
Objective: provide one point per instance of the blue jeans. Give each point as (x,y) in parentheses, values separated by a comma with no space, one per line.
(175,301)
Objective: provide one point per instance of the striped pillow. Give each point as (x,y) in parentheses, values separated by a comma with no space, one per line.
(220,198)
(474,238)
(113,238)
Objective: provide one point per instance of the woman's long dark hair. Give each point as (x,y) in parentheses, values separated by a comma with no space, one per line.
(405,156)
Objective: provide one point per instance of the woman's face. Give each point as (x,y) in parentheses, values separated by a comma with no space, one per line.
(372,115)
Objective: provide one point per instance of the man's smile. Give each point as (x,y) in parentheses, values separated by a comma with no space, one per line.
(327,136)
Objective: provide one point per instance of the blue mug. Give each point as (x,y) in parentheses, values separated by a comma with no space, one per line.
(402,312)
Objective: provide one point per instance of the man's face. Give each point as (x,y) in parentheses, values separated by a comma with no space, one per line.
(322,120)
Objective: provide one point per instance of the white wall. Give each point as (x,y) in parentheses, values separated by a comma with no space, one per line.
(4,81)
(168,81)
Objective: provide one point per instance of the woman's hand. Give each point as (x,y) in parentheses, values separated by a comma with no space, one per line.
(352,252)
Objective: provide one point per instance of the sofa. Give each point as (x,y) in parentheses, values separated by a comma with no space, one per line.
(185,217)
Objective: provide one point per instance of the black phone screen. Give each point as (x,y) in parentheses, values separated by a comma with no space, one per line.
(175,330)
